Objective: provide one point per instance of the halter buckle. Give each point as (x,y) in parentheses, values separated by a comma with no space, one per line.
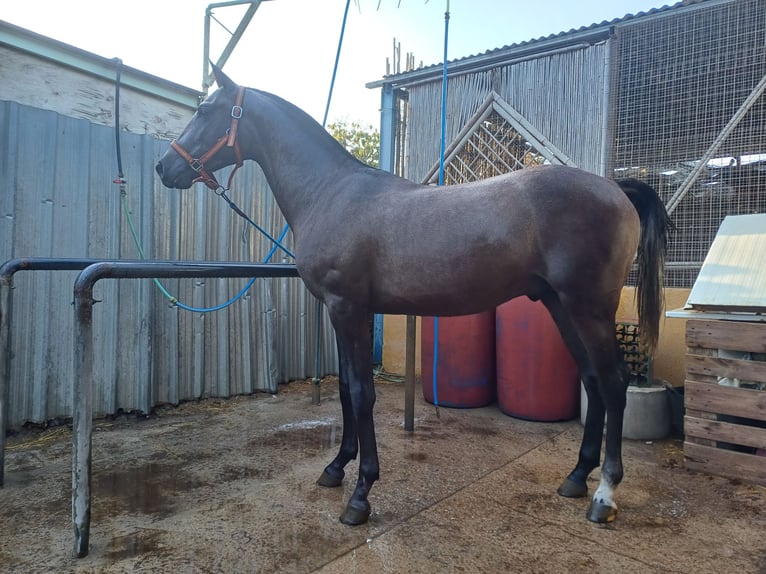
(236,112)
(196,165)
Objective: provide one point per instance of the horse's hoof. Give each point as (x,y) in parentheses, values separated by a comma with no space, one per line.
(601,513)
(571,489)
(353,516)
(330,480)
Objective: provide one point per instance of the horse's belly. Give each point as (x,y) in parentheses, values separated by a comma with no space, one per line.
(446,296)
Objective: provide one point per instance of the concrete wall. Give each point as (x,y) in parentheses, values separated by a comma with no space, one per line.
(43,73)
(394,340)
(668,360)
(669,357)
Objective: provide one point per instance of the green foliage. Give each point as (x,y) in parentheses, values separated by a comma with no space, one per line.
(363,142)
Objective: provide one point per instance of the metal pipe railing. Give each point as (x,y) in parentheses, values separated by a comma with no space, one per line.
(7,271)
(82,421)
(13,266)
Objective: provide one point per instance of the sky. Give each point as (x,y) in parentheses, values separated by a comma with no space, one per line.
(290,46)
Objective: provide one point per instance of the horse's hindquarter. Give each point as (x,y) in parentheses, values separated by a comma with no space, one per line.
(588,232)
(460,249)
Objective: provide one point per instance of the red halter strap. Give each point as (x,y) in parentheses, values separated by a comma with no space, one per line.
(229,139)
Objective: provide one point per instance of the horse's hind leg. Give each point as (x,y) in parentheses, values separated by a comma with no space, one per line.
(613,386)
(591,338)
(589,457)
(349,446)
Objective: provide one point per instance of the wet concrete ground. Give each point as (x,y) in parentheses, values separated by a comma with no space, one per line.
(229,486)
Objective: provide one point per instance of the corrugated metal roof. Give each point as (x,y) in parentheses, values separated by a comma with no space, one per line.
(528,47)
(733,276)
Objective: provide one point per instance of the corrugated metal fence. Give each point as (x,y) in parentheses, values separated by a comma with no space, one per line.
(57,199)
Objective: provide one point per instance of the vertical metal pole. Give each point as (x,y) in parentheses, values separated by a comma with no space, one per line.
(444,98)
(82,421)
(409,381)
(386,163)
(5,364)
(206,53)
(387,128)
(316,393)
(388,121)
(606,169)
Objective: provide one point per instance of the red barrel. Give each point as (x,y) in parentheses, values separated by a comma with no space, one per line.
(537,378)
(465,366)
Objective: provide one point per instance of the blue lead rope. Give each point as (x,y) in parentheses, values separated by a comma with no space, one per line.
(244,289)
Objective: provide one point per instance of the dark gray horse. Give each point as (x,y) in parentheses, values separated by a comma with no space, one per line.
(368,242)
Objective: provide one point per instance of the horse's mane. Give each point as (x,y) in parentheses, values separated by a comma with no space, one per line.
(304,123)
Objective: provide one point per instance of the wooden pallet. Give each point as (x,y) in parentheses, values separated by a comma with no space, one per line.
(721,420)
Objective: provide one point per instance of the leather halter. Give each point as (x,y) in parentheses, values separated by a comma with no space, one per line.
(229,139)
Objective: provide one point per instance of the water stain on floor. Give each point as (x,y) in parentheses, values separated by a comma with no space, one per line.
(146,489)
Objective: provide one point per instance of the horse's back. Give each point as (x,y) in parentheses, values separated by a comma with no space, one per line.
(426,250)
(550,208)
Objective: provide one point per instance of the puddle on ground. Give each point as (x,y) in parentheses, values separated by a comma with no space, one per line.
(416,456)
(135,544)
(146,489)
(304,437)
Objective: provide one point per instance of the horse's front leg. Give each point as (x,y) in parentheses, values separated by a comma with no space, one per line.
(355,356)
(333,474)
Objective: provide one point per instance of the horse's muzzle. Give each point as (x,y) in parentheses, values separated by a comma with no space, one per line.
(167,177)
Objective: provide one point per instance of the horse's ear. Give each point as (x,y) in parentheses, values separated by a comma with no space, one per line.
(222,79)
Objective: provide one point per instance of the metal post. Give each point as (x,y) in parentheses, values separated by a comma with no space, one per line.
(7,271)
(606,168)
(82,421)
(387,127)
(236,36)
(388,121)
(6,285)
(409,381)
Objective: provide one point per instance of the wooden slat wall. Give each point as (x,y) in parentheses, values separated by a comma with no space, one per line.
(743,410)
(570,116)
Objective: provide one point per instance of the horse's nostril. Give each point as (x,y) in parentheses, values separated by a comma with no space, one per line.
(158,167)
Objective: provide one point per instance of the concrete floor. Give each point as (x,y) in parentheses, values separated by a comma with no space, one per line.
(229,486)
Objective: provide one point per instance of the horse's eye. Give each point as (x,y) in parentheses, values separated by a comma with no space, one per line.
(202,110)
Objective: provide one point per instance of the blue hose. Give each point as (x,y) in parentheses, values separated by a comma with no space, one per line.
(441,182)
(242,292)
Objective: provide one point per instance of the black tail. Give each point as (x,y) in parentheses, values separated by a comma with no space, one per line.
(655,230)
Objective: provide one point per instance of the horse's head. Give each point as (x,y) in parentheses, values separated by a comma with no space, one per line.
(209,141)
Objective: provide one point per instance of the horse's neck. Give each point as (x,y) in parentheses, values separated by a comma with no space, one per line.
(298,157)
